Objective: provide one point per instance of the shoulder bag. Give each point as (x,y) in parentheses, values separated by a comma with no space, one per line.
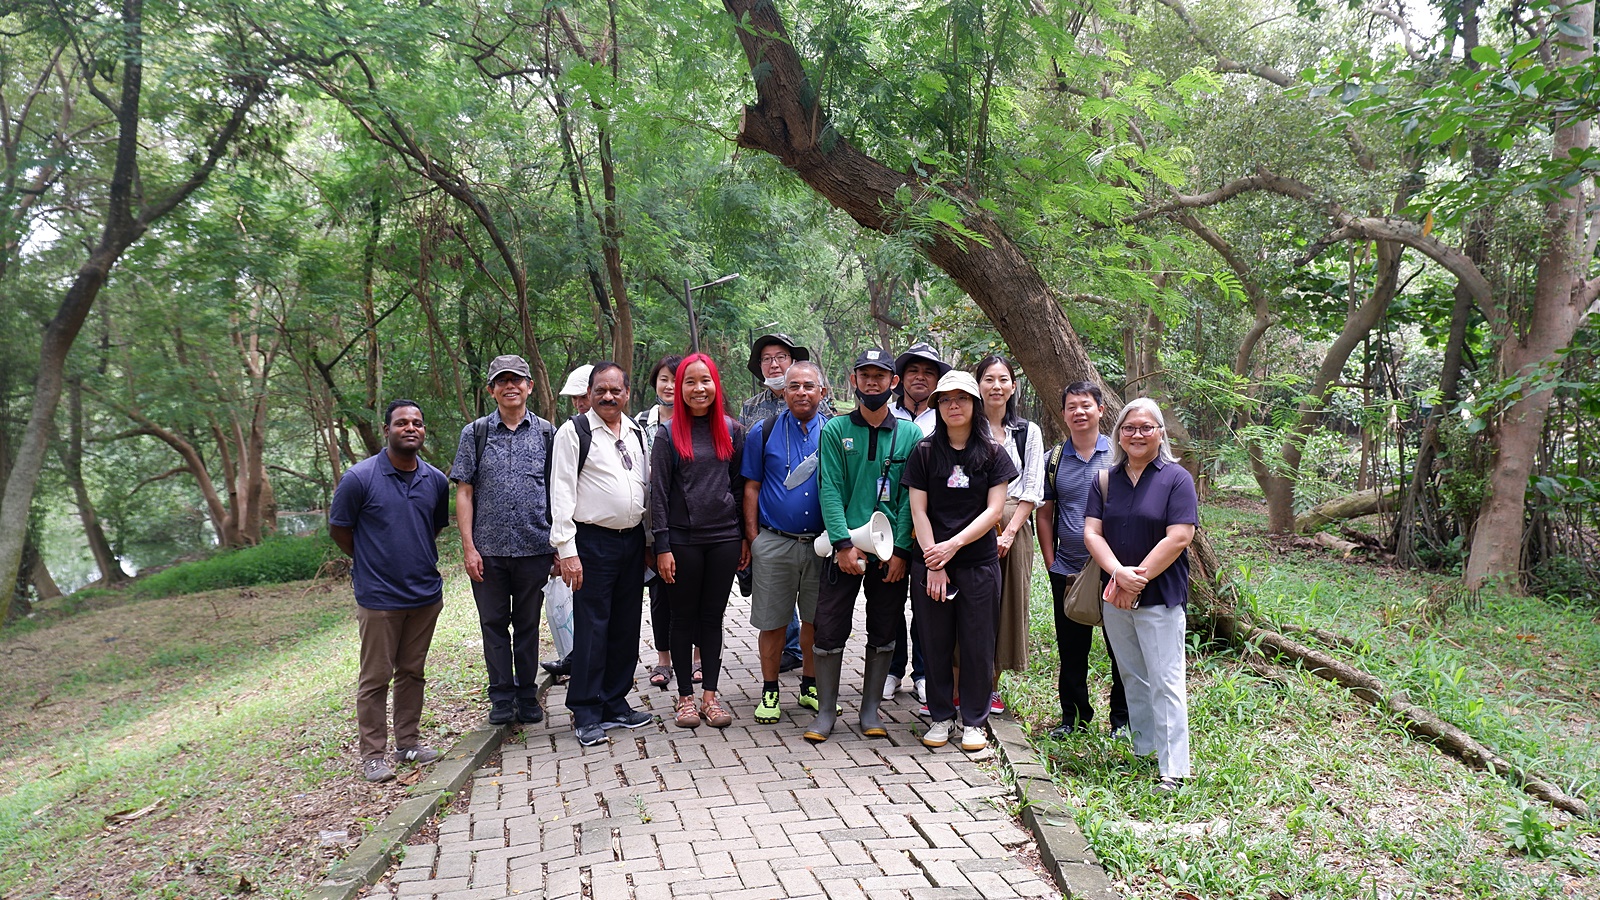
(1082,603)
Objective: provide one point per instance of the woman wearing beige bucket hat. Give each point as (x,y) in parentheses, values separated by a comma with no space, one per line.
(957,477)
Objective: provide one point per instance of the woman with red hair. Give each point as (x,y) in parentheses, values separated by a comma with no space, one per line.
(695,488)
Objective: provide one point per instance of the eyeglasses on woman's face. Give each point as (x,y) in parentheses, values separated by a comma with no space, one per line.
(1132,430)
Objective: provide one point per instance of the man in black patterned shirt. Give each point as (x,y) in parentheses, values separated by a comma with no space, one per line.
(503,513)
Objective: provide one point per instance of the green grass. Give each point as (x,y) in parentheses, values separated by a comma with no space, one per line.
(1304,791)
(248,748)
(273,561)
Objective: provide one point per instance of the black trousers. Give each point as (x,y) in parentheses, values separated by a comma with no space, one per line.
(1072,645)
(971,619)
(660,618)
(836,606)
(699,597)
(605,623)
(509,600)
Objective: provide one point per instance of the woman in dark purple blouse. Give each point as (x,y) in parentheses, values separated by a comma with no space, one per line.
(1139,533)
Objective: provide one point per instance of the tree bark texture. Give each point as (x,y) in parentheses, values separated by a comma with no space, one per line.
(1003,283)
(71,452)
(1561,296)
(1364,503)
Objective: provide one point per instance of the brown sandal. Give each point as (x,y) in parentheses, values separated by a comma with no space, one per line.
(686,715)
(714,715)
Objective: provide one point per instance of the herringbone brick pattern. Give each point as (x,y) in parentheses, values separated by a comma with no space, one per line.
(751,812)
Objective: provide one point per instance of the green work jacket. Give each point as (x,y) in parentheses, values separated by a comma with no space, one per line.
(853,456)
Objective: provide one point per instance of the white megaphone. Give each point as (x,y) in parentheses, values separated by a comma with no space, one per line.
(875,537)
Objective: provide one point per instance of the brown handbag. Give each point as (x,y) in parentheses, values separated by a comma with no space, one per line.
(1082,603)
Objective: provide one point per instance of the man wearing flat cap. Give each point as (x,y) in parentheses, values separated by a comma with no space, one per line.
(502,476)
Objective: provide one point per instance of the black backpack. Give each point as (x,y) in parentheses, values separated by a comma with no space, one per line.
(480,439)
(580,424)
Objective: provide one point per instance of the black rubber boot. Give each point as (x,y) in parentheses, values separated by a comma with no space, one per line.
(877,671)
(827,663)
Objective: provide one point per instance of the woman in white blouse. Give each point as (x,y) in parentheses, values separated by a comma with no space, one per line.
(1022,440)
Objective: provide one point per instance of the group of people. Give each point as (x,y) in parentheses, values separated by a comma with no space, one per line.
(929,488)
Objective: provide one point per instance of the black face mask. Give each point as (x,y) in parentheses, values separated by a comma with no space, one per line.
(873,402)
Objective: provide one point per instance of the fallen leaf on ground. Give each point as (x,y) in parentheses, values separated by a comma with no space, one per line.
(409,778)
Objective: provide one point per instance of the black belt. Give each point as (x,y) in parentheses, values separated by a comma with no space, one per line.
(794,537)
(609,530)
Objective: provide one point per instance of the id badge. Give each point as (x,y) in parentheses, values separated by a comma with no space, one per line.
(883,489)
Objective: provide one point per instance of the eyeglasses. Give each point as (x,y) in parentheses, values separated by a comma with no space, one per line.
(1131,430)
(622,450)
(776,357)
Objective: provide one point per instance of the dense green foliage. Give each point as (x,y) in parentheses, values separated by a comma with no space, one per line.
(273,561)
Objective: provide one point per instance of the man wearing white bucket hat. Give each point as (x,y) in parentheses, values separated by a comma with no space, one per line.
(860,459)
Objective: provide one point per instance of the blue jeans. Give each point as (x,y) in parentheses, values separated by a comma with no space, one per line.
(791,638)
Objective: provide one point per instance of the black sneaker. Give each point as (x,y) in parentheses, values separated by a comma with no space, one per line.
(529,712)
(590,735)
(633,718)
(1062,731)
(501,712)
(790,663)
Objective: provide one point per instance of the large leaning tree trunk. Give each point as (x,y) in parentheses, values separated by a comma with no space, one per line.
(1004,283)
(128,215)
(1561,296)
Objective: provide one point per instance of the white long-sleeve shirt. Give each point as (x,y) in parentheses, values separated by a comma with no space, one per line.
(607,493)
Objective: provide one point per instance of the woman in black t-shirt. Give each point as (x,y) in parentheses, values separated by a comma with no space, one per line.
(957,477)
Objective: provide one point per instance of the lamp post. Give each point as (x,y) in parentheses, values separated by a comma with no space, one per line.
(688,301)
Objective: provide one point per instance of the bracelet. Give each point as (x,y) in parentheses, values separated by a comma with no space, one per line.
(1116,572)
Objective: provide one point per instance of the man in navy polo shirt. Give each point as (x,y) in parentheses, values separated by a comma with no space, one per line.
(386,514)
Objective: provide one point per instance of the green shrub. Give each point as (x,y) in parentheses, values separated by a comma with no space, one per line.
(275,560)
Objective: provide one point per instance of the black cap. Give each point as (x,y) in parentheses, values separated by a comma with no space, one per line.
(767,340)
(920,350)
(876,358)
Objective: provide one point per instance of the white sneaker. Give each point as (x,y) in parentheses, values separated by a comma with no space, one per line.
(922,690)
(938,734)
(891,686)
(973,739)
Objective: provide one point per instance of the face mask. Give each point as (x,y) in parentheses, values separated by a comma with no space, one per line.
(777,382)
(873,402)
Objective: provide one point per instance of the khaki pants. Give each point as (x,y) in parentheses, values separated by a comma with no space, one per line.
(394,647)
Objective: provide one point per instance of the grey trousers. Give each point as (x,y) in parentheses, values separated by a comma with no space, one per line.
(1149,646)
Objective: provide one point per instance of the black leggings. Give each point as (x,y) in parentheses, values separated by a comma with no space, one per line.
(698,597)
(660,617)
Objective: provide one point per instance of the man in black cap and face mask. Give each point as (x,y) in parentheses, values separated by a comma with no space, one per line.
(860,457)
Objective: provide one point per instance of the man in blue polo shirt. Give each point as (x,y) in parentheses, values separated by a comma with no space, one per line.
(386,514)
(782,518)
(1072,469)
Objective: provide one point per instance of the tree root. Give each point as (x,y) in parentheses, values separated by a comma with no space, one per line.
(1421,723)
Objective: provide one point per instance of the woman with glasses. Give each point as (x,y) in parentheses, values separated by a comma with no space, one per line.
(1139,533)
(1024,443)
(663,377)
(699,536)
(957,477)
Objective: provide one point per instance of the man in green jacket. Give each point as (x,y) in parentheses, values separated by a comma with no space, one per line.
(858,473)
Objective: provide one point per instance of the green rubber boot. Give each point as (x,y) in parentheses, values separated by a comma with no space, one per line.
(877,670)
(828,663)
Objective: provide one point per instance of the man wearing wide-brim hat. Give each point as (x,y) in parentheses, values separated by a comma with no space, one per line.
(770,358)
(919,370)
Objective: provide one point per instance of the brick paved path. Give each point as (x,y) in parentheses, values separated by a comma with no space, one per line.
(750,812)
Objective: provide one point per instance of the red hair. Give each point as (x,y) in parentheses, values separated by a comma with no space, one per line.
(682,419)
